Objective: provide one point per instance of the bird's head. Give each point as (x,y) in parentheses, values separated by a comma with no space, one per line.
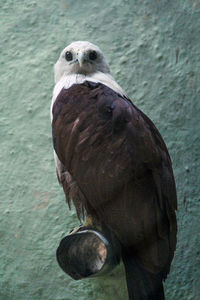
(80,58)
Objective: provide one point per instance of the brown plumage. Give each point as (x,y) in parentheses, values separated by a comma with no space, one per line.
(115,166)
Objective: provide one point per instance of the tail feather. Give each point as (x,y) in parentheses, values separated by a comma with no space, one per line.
(141,284)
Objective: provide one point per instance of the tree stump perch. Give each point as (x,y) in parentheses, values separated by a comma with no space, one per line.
(86,253)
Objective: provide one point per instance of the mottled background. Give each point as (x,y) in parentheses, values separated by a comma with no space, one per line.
(153,48)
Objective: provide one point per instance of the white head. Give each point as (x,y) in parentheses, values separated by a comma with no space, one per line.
(80,58)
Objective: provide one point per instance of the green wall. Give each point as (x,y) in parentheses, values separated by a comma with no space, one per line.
(153,48)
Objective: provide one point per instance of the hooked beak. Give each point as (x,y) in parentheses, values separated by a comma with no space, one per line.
(81,58)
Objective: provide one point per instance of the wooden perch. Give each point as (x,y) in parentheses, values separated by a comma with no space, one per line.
(86,253)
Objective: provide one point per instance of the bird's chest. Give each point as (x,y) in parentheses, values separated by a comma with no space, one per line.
(85,142)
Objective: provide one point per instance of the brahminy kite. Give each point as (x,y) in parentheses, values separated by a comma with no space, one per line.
(114,165)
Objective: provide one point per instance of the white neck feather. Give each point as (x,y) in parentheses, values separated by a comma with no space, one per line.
(66,81)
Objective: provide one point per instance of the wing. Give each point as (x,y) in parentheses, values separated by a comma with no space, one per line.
(121,169)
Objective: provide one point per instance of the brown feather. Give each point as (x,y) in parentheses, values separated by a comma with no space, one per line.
(121,169)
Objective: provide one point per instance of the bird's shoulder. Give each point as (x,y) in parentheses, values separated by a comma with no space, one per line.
(95,105)
(103,101)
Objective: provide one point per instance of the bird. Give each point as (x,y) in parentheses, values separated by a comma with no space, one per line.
(114,166)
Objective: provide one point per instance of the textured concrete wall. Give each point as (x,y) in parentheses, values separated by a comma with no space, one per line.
(153,49)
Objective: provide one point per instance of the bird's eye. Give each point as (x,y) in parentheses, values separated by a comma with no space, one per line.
(68,56)
(92,55)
